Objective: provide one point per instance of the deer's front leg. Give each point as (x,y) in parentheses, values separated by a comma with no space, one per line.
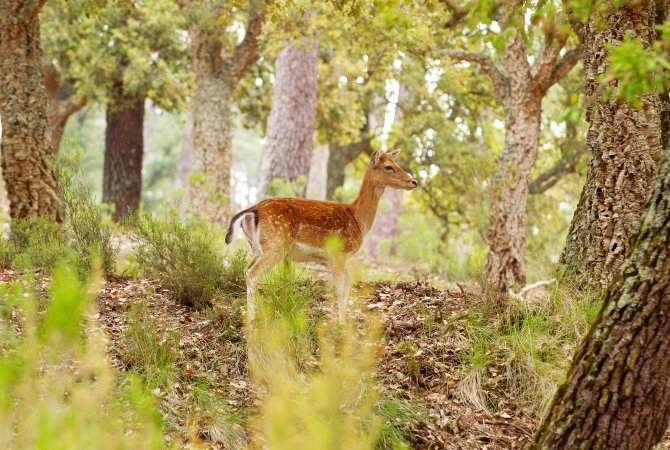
(342,283)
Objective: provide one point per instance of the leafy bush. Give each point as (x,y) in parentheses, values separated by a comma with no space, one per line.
(56,387)
(181,257)
(81,240)
(89,235)
(233,282)
(39,243)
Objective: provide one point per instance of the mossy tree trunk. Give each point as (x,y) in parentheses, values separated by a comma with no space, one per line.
(27,155)
(617,393)
(124,151)
(217,74)
(291,125)
(520,89)
(625,144)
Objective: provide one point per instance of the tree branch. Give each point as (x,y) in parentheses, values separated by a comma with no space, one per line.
(246,52)
(550,72)
(457,13)
(498,78)
(565,65)
(566,166)
(541,70)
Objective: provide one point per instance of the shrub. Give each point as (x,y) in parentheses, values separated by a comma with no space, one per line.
(56,387)
(181,257)
(89,235)
(233,282)
(81,240)
(39,243)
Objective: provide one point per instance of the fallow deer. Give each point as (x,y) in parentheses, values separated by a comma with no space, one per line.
(302,228)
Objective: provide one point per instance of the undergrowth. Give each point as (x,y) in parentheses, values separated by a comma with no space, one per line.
(83,239)
(56,387)
(181,257)
(531,341)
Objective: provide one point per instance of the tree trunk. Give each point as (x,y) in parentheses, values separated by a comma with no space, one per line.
(27,156)
(506,236)
(291,124)
(212,128)
(124,149)
(216,76)
(617,393)
(625,144)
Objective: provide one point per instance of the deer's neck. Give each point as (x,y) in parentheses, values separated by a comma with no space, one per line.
(365,205)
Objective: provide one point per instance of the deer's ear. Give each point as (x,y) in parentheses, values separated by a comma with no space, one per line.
(394,153)
(374,158)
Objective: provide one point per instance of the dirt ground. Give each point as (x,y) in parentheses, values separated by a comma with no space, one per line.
(419,362)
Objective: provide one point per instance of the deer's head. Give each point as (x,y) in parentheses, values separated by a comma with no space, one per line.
(387,173)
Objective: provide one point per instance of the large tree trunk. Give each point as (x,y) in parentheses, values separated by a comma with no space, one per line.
(625,143)
(26,151)
(124,150)
(316,180)
(216,76)
(617,393)
(212,128)
(291,124)
(506,236)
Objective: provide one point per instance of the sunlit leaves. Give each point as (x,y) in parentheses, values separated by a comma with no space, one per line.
(635,69)
(142,45)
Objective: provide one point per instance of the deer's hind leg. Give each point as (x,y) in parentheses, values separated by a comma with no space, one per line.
(256,269)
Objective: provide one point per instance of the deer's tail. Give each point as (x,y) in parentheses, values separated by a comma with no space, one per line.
(237,219)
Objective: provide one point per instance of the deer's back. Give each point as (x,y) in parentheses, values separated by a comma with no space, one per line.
(309,222)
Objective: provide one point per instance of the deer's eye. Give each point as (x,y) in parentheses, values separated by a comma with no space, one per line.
(389,169)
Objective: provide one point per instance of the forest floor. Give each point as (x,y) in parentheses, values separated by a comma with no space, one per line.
(421,364)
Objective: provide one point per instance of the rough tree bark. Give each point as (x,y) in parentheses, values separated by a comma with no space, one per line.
(216,76)
(625,144)
(63,103)
(617,393)
(520,90)
(291,124)
(124,150)
(27,156)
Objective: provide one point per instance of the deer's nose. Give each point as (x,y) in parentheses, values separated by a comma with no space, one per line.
(415,183)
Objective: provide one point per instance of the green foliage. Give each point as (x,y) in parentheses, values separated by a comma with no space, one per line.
(536,340)
(181,257)
(134,44)
(233,281)
(39,243)
(330,408)
(637,68)
(287,295)
(56,387)
(395,413)
(88,233)
(146,349)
